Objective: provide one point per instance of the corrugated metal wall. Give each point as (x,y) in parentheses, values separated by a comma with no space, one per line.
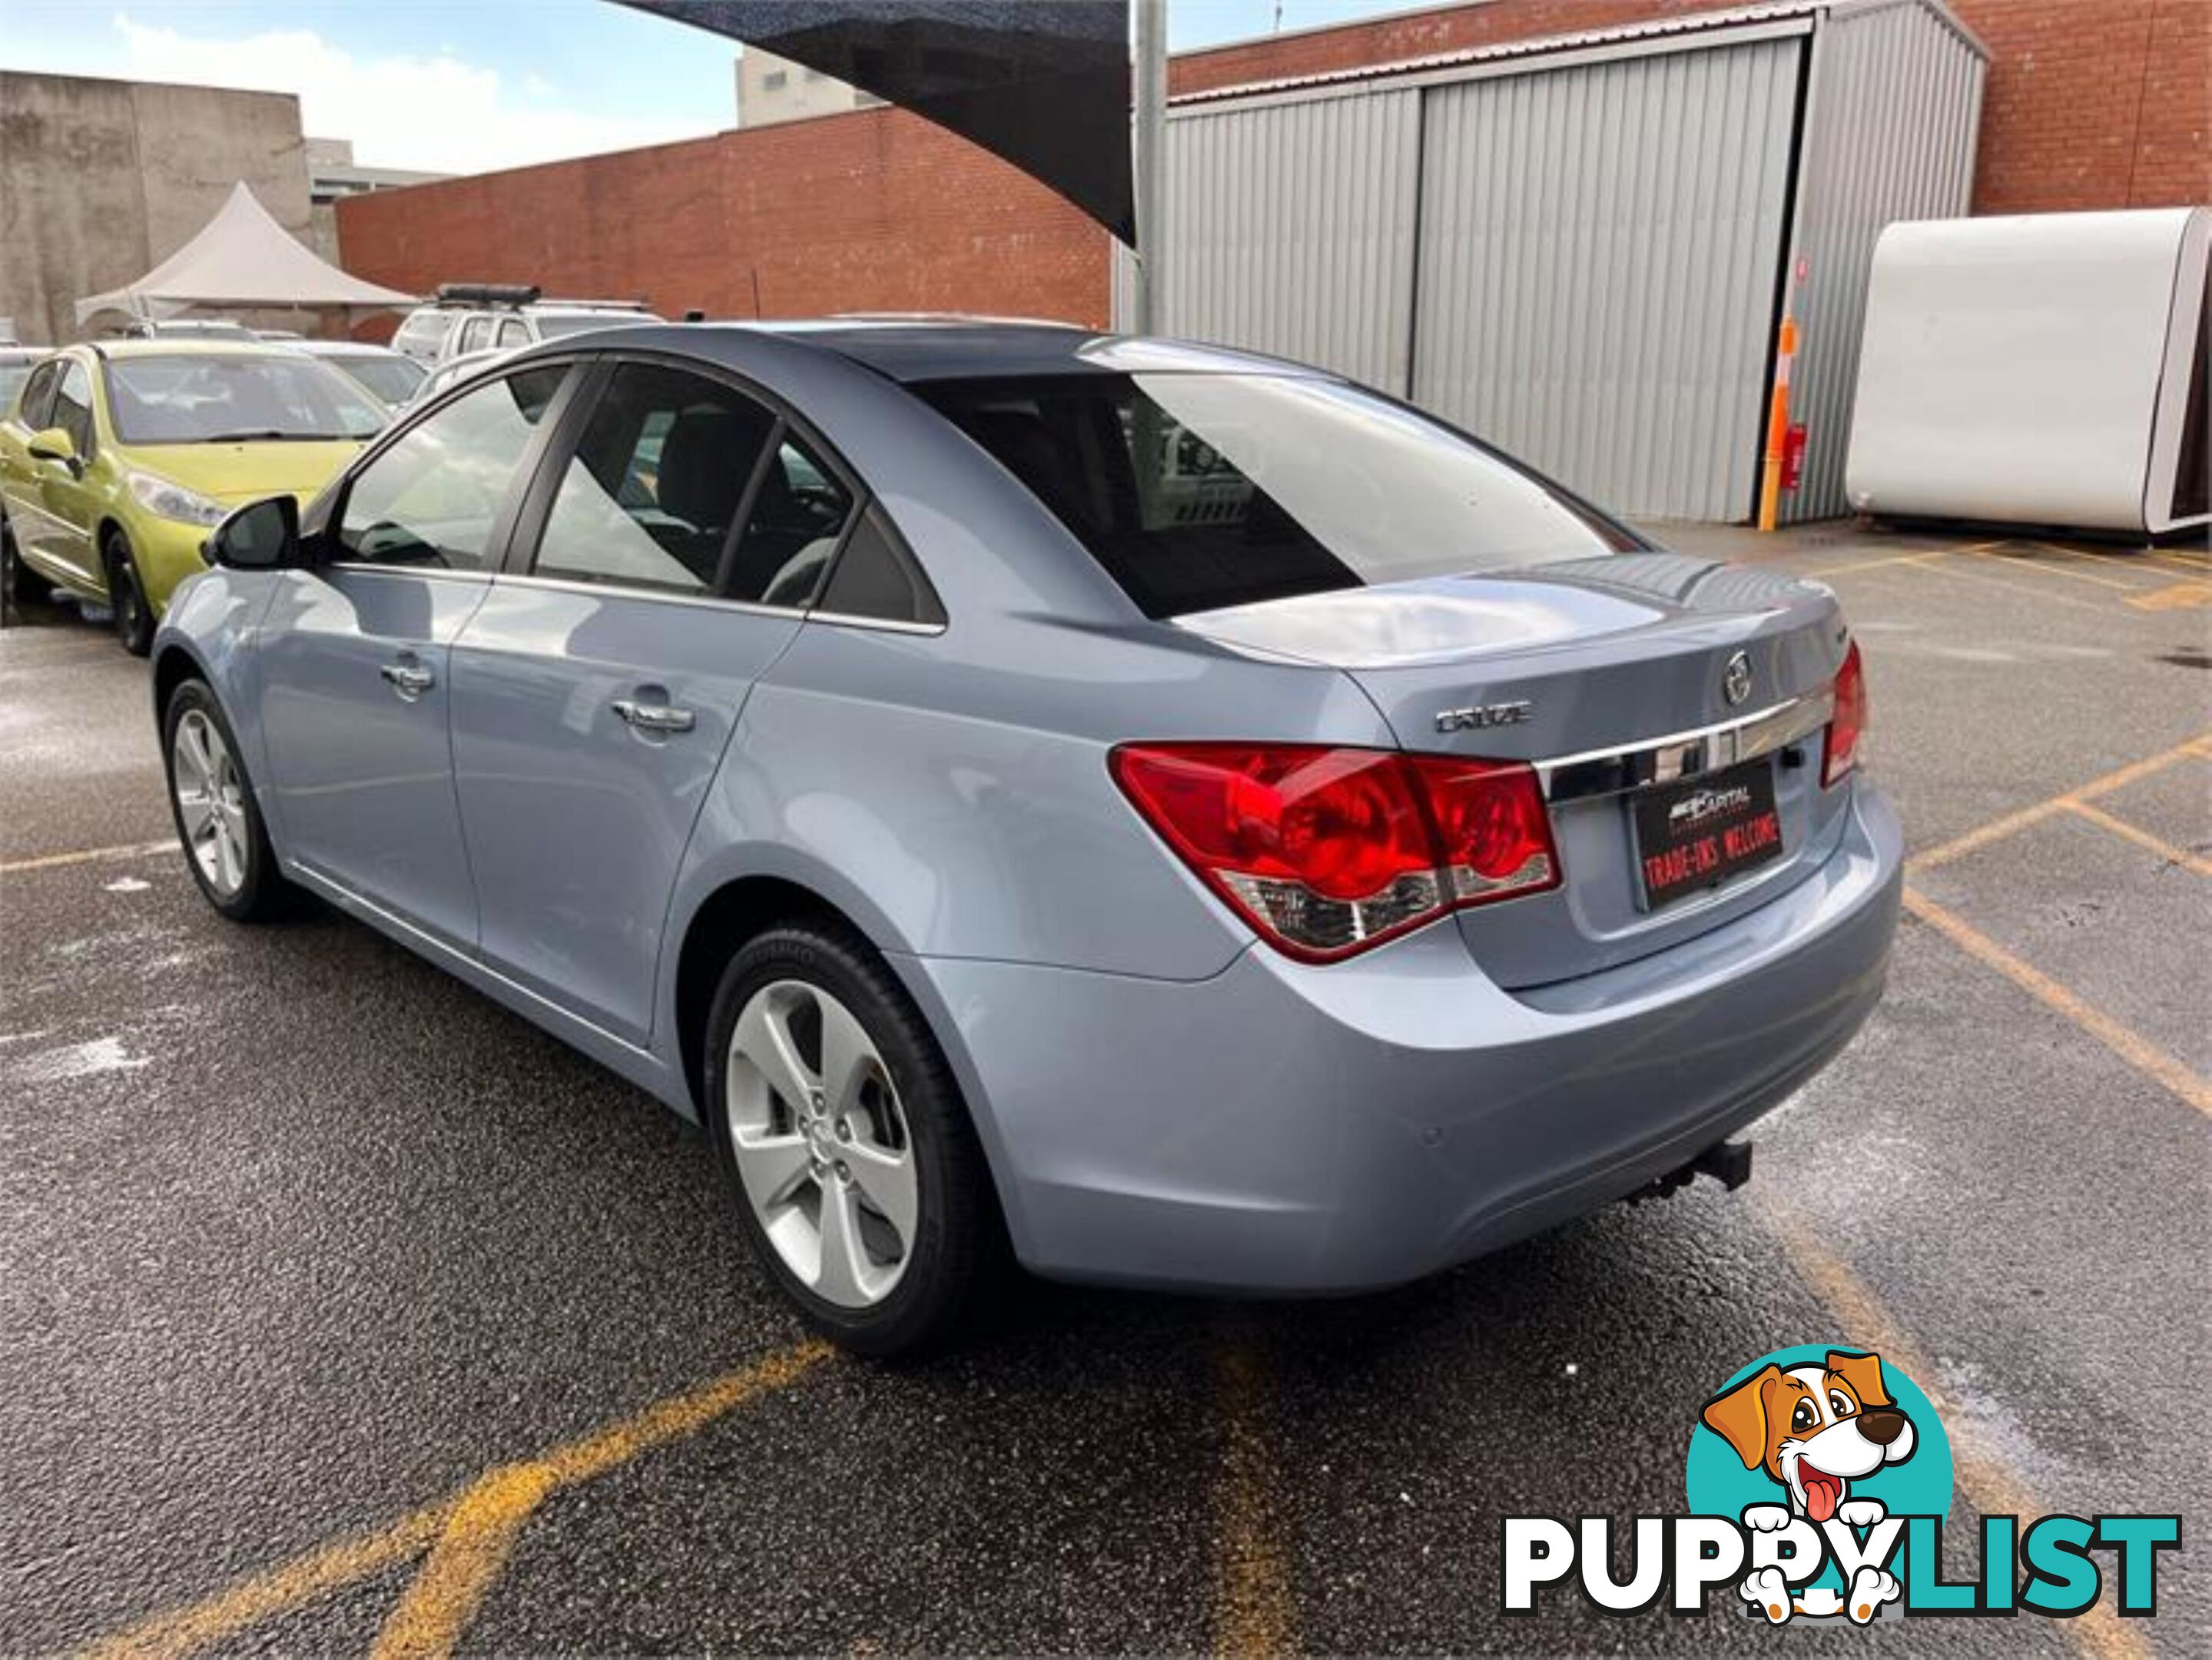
(1599,247)
(1580,257)
(1891,127)
(1291,230)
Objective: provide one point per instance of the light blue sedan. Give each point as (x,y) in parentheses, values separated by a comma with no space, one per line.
(1164,816)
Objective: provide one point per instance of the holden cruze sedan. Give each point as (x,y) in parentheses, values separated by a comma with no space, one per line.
(1172,816)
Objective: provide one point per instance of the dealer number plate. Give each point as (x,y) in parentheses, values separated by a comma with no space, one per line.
(1699,834)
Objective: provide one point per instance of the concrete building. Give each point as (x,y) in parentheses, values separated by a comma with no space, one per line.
(771,90)
(332,172)
(100,180)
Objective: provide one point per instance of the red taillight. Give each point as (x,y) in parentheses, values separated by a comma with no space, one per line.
(1848,725)
(1329,851)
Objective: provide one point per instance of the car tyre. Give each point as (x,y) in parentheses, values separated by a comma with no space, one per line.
(921,1286)
(126,598)
(25,586)
(218,820)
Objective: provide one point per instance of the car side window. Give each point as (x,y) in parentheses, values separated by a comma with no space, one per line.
(36,409)
(877,577)
(799,512)
(476,334)
(656,482)
(513,331)
(73,407)
(433,497)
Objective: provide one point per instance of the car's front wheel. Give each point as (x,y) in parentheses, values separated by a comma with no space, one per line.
(218,820)
(126,597)
(857,1176)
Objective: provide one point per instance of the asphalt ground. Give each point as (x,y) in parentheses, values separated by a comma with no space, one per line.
(341,1311)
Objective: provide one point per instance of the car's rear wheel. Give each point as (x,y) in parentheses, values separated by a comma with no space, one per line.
(25,586)
(126,598)
(218,821)
(856,1174)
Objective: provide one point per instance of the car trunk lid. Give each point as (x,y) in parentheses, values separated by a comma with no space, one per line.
(1620,677)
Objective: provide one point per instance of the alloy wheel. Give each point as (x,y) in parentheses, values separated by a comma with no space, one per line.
(822,1144)
(210,802)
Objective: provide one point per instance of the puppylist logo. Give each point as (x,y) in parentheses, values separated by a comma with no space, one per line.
(1819,1482)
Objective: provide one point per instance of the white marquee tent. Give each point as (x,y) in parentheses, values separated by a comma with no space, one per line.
(242,258)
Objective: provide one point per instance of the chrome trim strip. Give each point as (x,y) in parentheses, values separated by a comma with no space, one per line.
(881,624)
(1685,754)
(369,567)
(619,590)
(624,590)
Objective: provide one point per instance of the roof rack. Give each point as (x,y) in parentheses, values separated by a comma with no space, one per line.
(487,294)
(597,305)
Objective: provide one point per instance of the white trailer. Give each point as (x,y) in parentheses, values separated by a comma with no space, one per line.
(2045,369)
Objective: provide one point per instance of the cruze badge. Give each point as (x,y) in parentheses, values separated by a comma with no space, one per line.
(1735,679)
(1484,714)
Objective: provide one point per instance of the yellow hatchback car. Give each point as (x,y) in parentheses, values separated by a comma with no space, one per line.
(117,459)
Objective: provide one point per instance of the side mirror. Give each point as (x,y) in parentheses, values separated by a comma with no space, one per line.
(54,444)
(264,535)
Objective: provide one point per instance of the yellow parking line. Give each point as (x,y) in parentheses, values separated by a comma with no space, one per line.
(1890,559)
(2050,596)
(1989,1483)
(468,1535)
(2142,837)
(2136,556)
(332,1567)
(2174,596)
(1253,1613)
(1998,829)
(488,1518)
(128,850)
(2024,562)
(470,1554)
(2131,1046)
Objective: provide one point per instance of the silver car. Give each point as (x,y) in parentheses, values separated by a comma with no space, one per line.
(1164,816)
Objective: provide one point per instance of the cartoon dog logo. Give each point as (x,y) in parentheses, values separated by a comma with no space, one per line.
(1814,1430)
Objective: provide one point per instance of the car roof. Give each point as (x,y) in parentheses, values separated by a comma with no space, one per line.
(909,349)
(344,349)
(195,346)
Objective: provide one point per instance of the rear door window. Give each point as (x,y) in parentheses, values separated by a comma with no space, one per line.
(798,511)
(876,578)
(651,495)
(1196,491)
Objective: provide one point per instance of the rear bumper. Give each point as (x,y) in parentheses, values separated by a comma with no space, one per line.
(1282,1128)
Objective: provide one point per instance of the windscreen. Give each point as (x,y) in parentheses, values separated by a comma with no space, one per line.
(392,379)
(214,398)
(1197,491)
(12,376)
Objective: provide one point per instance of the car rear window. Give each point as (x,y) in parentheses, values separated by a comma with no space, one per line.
(1198,491)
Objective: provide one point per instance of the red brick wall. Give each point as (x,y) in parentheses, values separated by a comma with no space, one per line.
(2093,103)
(877,210)
(2090,104)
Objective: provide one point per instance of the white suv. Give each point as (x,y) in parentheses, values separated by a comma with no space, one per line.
(473,316)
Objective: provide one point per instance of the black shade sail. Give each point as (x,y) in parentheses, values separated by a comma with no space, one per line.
(1042,84)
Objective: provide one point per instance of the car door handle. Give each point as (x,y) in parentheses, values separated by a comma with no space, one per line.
(654,717)
(410,680)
